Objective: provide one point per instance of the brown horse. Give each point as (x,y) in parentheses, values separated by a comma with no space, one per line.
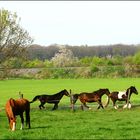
(53,99)
(17,107)
(84,97)
(123,96)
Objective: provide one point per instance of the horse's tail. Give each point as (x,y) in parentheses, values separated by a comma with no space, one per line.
(35,98)
(74,98)
(108,100)
(27,112)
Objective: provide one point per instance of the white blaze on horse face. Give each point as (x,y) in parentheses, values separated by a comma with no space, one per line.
(121,93)
(14,126)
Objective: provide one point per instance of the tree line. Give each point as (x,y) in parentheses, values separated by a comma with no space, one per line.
(47,52)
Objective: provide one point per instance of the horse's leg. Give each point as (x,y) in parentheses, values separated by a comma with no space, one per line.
(42,105)
(82,108)
(22,121)
(114,104)
(55,106)
(85,105)
(127,105)
(28,116)
(100,104)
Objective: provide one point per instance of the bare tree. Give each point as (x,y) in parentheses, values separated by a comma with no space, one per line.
(13,38)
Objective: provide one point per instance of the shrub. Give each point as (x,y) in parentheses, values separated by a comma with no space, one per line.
(97,61)
(94,68)
(136,58)
(128,60)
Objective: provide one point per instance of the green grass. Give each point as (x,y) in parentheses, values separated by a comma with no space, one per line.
(65,124)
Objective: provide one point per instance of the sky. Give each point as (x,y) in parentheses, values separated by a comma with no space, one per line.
(79,22)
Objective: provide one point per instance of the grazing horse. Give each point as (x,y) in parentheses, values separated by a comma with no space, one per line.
(123,96)
(54,99)
(17,107)
(84,97)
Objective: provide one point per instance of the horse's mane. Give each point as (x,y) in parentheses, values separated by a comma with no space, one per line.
(52,94)
(60,92)
(9,107)
(97,91)
(12,102)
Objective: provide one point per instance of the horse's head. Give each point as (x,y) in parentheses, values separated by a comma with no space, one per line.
(107,91)
(133,90)
(65,92)
(12,124)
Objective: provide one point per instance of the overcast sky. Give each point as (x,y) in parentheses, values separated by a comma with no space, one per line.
(79,22)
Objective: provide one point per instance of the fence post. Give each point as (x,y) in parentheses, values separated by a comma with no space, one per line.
(71,101)
(20,95)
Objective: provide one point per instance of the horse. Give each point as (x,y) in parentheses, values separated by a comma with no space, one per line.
(53,99)
(17,107)
(84,97)
(123,96)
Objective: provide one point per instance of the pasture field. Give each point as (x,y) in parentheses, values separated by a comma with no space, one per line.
(65,124)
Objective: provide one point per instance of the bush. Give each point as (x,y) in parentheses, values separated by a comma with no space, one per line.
(128,60)
(136,58)
(13,63)
(94,68)
(97,61)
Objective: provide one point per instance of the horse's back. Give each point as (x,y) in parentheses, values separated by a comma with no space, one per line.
(22,103)
(88,97)
(114,94)
(17,106)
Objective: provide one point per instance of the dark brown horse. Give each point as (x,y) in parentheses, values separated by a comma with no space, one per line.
(53,99)
(85,97)
(17,107)
(123,96)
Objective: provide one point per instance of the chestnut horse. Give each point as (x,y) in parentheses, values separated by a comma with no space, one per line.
(53,99)
(17,107)
(123,96)
(84,97)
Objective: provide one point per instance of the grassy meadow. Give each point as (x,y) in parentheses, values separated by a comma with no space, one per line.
(65,124)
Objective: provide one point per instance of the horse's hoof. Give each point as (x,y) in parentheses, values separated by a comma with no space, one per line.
(115,107)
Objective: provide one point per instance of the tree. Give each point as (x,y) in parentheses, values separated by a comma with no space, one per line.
(64,58)
(13,38)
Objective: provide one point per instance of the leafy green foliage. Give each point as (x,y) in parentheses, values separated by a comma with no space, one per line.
(136,58)
(13,38)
